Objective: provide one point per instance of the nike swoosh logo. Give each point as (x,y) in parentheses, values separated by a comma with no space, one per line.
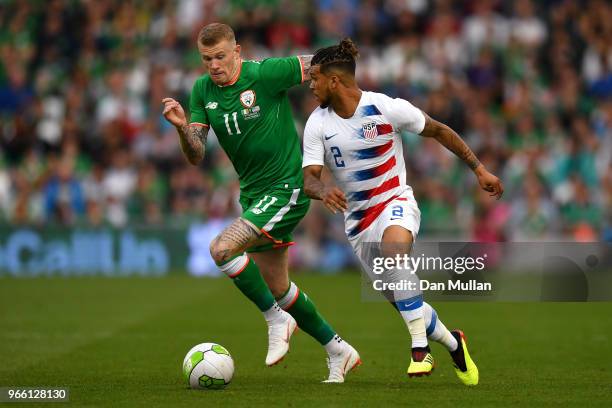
(329,137)
(393,219)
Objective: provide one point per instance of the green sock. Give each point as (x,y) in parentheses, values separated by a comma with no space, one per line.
(245,275)
(305,314)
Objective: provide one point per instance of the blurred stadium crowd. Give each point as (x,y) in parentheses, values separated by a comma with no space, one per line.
(528,84)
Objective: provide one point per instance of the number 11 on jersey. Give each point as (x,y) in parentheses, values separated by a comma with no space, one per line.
(227,125)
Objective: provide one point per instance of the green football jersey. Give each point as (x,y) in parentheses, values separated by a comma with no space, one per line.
(253,122)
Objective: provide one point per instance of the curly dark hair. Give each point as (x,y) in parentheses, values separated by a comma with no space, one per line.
(341,56)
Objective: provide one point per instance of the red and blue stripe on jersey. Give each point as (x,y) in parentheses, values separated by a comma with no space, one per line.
(375,175)
(372,152)
(367,194)
(368,216)
(366,174)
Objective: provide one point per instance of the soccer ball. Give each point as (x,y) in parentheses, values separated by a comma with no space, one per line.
(208,366)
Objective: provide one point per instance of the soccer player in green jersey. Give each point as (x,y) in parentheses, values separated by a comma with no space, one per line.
(246,104)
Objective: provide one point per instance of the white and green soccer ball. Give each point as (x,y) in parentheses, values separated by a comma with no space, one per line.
(208,366)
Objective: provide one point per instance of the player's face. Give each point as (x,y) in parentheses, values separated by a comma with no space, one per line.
(221,60)
(319,85)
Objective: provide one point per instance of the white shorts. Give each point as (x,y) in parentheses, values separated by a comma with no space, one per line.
(402,211)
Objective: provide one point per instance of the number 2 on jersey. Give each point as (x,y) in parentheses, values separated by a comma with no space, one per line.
(227,125)
(337,156)
(397,211)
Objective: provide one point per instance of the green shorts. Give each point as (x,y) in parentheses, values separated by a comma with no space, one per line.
(276,213)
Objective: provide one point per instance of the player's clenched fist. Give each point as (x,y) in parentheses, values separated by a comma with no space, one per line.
(173,112)
(489,182)
(334,199)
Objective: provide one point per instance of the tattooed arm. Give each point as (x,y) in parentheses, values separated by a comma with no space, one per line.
(305,63)
(451,140)
(193,141)
(448,138)
(192,137)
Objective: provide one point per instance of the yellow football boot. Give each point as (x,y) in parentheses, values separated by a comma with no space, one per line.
(421,362)
(465,368)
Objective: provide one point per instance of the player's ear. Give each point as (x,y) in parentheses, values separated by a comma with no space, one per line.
(236,50)
(334,81)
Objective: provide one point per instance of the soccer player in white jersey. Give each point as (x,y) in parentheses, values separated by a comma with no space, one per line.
(356,134)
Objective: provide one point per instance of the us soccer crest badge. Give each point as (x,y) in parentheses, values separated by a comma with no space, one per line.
(369,130)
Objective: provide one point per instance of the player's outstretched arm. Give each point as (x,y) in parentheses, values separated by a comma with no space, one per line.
(192,137)
(333,198)
(453,142)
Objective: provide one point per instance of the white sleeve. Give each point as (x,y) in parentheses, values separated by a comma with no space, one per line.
(404,115)
(314,151)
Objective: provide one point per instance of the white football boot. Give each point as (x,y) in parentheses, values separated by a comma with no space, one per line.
(341,363)
(279,333)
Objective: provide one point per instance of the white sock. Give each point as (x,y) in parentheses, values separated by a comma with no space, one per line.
(335,345)
(274,313)
(416,328)
(412,313)
(436,330)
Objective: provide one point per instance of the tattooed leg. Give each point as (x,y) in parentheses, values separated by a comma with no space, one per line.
(247,276)
(227,251)
(234,240)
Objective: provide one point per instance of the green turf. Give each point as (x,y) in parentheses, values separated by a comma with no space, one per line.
(121,342)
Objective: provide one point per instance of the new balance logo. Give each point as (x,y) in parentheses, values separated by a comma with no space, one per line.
(212,105)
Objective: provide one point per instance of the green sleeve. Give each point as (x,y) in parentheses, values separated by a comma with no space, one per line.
(196,104)
(280,74)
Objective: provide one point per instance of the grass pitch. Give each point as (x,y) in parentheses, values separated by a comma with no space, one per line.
(120,342)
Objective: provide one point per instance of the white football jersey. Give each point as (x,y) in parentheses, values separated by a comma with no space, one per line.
(364,153)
